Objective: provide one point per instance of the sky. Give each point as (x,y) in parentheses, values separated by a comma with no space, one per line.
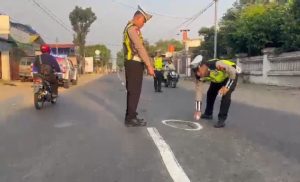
(112,16)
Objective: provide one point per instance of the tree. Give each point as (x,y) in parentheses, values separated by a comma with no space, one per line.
(295,8)
(150,48)
(290,36)
(164,44)
(105,54)
(120,59)
(245,2)
(207,47)
(81,21)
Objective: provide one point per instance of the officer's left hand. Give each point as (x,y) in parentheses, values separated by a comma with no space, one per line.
(223,91)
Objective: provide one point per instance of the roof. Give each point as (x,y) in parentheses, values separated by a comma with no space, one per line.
(6,40)
(25,28)
(61,45)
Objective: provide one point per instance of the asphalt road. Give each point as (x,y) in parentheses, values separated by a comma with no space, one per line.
(83,139)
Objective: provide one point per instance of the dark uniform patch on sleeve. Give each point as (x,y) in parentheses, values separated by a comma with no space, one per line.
(211,64)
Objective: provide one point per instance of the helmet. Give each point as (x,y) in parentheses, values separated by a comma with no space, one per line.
(197,61)
(45,48)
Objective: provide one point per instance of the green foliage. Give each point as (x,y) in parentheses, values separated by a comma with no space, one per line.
(120,59)
(81,21)
(249,29)
(162,45)
(105,54)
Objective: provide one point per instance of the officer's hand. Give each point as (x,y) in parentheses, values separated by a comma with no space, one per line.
(223,91)
(197,115)
(150,71)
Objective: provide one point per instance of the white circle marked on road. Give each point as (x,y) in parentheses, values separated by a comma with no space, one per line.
(192,126)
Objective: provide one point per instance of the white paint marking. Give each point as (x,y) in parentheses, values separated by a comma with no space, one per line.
(122,82)
(198,126)
(173,167)
(63,125)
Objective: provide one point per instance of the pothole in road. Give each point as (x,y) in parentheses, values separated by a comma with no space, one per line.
(184,125)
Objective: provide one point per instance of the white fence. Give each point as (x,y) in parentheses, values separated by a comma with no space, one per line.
(271,69)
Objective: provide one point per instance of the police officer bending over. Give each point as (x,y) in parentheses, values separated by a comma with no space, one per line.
(223,77)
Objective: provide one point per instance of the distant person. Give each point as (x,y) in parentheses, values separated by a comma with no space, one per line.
(169,67)
(136,57)
(158,66)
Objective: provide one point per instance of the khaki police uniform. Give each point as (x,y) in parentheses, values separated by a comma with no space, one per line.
(136,57)
(222,73)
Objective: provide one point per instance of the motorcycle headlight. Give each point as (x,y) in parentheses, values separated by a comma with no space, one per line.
(173,73)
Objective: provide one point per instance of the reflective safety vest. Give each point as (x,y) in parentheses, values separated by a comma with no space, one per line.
(128,47)
(217,76)
(158,63)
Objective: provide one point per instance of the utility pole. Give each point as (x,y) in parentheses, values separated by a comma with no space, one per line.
(216,29)
(56,40)
(185,39)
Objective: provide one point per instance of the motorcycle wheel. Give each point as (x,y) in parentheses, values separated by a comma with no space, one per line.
(67,84)
(74,82)
(53,100)
(173,84)
(37,102)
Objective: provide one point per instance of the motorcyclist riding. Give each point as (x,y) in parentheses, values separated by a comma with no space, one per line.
(168,67)
(46,65)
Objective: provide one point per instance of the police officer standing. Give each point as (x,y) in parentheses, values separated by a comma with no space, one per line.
(136,57)
(158,66)
(223,77)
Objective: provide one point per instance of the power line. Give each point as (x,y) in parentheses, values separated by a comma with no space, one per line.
(60,20)
(151,12)
(53,17)
(192,18)
(200,13)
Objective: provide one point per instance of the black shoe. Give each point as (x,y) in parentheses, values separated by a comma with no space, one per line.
(208,117)
(135,122)
(160,91)
(156,90)
(140,119)
(142,122)
(220,124)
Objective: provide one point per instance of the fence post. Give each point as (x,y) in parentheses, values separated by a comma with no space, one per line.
(266,63)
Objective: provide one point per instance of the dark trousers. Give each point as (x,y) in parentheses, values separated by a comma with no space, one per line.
(134,78)
(53,83)
(157,80)
(225,102)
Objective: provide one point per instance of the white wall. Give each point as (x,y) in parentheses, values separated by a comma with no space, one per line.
(271,69)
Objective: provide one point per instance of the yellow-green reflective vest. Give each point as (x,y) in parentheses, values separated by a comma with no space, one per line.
(128,47)
(218,76)
(158,63)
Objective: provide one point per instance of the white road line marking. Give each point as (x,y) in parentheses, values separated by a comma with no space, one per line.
(122,82)
(173,167)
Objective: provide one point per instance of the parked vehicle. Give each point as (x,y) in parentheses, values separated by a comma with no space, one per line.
(172,79)
(69,72)
(25,68)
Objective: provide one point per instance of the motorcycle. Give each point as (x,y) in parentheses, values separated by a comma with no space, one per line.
(42,91)
(172,79)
